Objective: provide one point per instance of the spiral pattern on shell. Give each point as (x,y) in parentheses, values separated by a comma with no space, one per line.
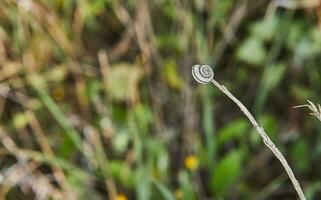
(203,73)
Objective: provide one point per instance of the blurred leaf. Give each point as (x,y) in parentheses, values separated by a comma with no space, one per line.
(93,90)
(120,141)
(20,120)
(304,49)
(202,45)
(157,152)
(265,28)
(122,173)
(300,154)
(271,78)
(166,193)
(208,125)
(57,73)
(119,113)
(123,81)
(170,10)
(142,183)
(220,10)
(252,51)
(66,147)
(295,34)
(316,37)
(187,187)
(163,163)
(94,8)
(242,74)
(226,172)
(233,130)
(171,44)
(171,75)
(143,117)
(273,75)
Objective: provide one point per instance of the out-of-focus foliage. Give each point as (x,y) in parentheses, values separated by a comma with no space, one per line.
(97,99)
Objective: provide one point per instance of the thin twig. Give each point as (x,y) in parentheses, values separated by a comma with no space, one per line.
(266,139)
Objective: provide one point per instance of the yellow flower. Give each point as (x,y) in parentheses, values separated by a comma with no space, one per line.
(121,197)
(58,93)
(191,162)
(179,194)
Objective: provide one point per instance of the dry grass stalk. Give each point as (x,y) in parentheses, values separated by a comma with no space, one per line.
(316,110)
(204,74)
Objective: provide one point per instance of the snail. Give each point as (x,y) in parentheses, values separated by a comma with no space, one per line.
(203,73)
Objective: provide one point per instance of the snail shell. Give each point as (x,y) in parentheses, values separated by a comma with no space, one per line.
(203,73)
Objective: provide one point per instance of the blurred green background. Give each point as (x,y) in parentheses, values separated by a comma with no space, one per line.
(97,100)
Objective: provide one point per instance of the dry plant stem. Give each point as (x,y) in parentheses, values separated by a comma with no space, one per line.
(266,139)
(315,110)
